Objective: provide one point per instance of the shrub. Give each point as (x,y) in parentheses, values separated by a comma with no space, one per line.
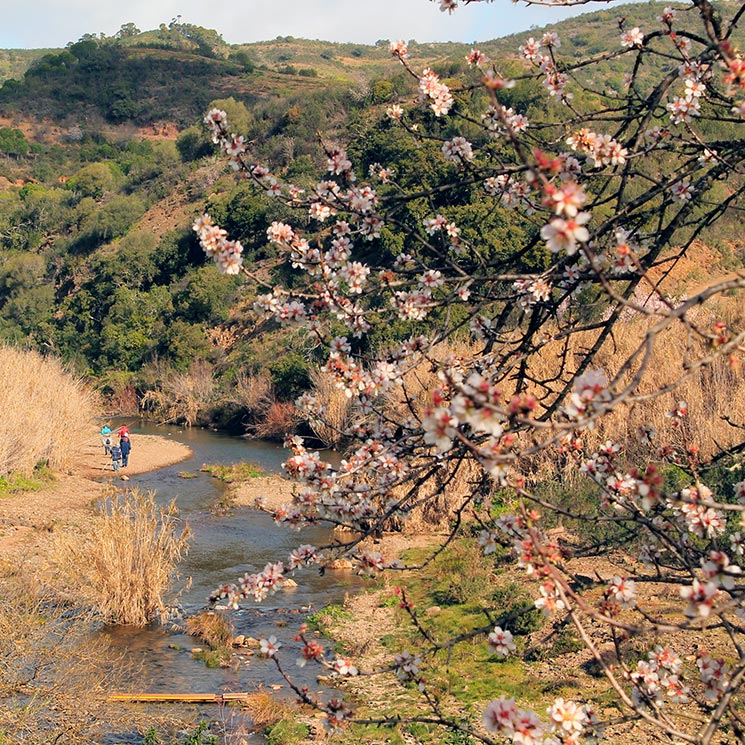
(290,376)
(125,568)
(181,397)
(331,429)
(48,414)
(281,417)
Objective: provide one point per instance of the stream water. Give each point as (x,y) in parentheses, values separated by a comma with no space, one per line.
(222,548)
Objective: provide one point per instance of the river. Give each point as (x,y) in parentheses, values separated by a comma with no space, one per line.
(222,548)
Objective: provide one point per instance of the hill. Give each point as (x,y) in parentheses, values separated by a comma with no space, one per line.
(105,165)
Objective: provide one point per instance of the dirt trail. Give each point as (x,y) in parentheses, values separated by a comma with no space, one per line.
(28,519)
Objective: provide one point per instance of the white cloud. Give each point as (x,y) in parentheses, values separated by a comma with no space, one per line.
(53,23)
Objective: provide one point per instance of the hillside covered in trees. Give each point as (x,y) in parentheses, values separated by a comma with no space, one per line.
(104,164)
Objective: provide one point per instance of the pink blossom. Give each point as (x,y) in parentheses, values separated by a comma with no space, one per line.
(458,149)
(500,715)
(269,647)
(501,642)
(566,234)
(568,715)
(632,38)
(700,597)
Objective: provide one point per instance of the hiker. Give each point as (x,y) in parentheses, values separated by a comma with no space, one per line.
(116,457)
(106,439)
(123,431)
(125,446)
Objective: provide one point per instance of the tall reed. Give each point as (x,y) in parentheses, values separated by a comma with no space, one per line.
(336,406)
(48,414)
(125,568)
(182,397)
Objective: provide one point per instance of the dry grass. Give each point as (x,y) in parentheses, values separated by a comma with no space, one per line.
(711,392)
(336,406)
(253,392)
(126,567)
(182,397)
(55,671)
(214,629)
(47,413)
(451,482)
(280,419)
(266,709)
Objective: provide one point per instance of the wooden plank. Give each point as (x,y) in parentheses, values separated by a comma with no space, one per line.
(192,698)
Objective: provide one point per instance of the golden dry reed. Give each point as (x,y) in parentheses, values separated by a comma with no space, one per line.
(56,673)
(711,392)
(183,397)
(336,405)
(126,567)
(48,414)
(265,709)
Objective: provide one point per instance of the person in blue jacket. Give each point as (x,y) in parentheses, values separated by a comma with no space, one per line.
(125,446)
(116,457)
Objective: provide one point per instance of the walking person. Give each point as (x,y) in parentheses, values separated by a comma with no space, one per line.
(125,446)
(106,439)
(116,457)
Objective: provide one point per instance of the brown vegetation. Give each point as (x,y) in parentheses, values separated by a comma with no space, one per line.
(47,414)
(280,418)
(336,405)
(214,629)
(55,671)
(180,396)
(124,569)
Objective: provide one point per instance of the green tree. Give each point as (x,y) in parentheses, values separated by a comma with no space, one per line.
(192,144)
(183,343)
(290,376)
(93,180)
(127,31)
(238,114)
(382,91)
(207,296)
(13,142)
(133,326)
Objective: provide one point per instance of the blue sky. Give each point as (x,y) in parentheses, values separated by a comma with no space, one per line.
(54,23)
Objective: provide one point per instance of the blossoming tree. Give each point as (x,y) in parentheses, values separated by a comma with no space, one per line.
(609,190)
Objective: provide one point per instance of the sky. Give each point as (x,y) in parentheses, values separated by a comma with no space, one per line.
(34,24)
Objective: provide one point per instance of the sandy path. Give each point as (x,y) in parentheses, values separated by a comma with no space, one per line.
(27,519)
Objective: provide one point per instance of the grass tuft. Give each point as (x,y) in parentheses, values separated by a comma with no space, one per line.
(125,568)
(233,473)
